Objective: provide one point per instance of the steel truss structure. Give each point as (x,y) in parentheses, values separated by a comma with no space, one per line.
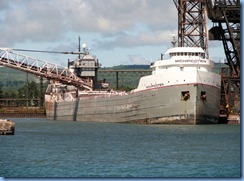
(225,15)
(42,68)
(192,30)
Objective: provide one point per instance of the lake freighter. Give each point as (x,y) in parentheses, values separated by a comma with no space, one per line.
(182,89)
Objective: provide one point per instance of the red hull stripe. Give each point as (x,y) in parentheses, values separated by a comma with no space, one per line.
(160,87)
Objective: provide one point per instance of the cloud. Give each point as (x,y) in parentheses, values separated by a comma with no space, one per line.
(4,5)
(155,38)
(137,60)
(128,29)
(30,22)
(48,21)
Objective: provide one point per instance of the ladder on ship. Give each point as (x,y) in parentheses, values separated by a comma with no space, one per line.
(50,71)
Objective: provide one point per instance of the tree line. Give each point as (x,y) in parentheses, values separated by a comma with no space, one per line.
(32,93)
(10,90)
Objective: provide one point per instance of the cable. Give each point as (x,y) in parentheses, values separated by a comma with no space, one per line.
(41,51)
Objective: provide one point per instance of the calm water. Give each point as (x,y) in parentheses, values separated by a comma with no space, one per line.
(44,148)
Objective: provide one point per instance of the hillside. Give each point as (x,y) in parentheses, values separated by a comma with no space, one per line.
(11,79)
(7,74)
(127,67)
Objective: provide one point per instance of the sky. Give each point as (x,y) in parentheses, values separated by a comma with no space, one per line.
(117,32)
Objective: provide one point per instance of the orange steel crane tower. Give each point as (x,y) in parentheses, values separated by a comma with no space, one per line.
(225,15)
(192,29)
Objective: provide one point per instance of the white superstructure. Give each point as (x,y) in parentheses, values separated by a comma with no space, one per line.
(183,65)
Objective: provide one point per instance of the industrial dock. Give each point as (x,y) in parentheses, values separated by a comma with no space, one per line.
(225,16)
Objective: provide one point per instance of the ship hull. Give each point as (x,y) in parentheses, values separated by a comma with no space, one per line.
(162,105)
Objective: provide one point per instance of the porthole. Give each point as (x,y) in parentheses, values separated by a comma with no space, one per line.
(185,95)
(203,95)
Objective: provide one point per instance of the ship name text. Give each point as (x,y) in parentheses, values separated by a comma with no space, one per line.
(191,61)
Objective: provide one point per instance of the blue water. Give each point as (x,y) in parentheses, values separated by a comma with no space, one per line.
(44,148)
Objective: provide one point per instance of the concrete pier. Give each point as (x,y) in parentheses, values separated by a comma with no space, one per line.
(7,127)
(234,119)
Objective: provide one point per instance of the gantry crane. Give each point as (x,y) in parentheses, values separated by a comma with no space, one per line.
(225,15)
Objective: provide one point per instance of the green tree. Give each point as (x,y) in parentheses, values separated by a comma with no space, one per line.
(1,93)
(6,95)
(13,94)
(33,90)
(21,92)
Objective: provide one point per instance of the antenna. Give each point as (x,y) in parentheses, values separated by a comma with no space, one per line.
(173,40)
(79,45)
